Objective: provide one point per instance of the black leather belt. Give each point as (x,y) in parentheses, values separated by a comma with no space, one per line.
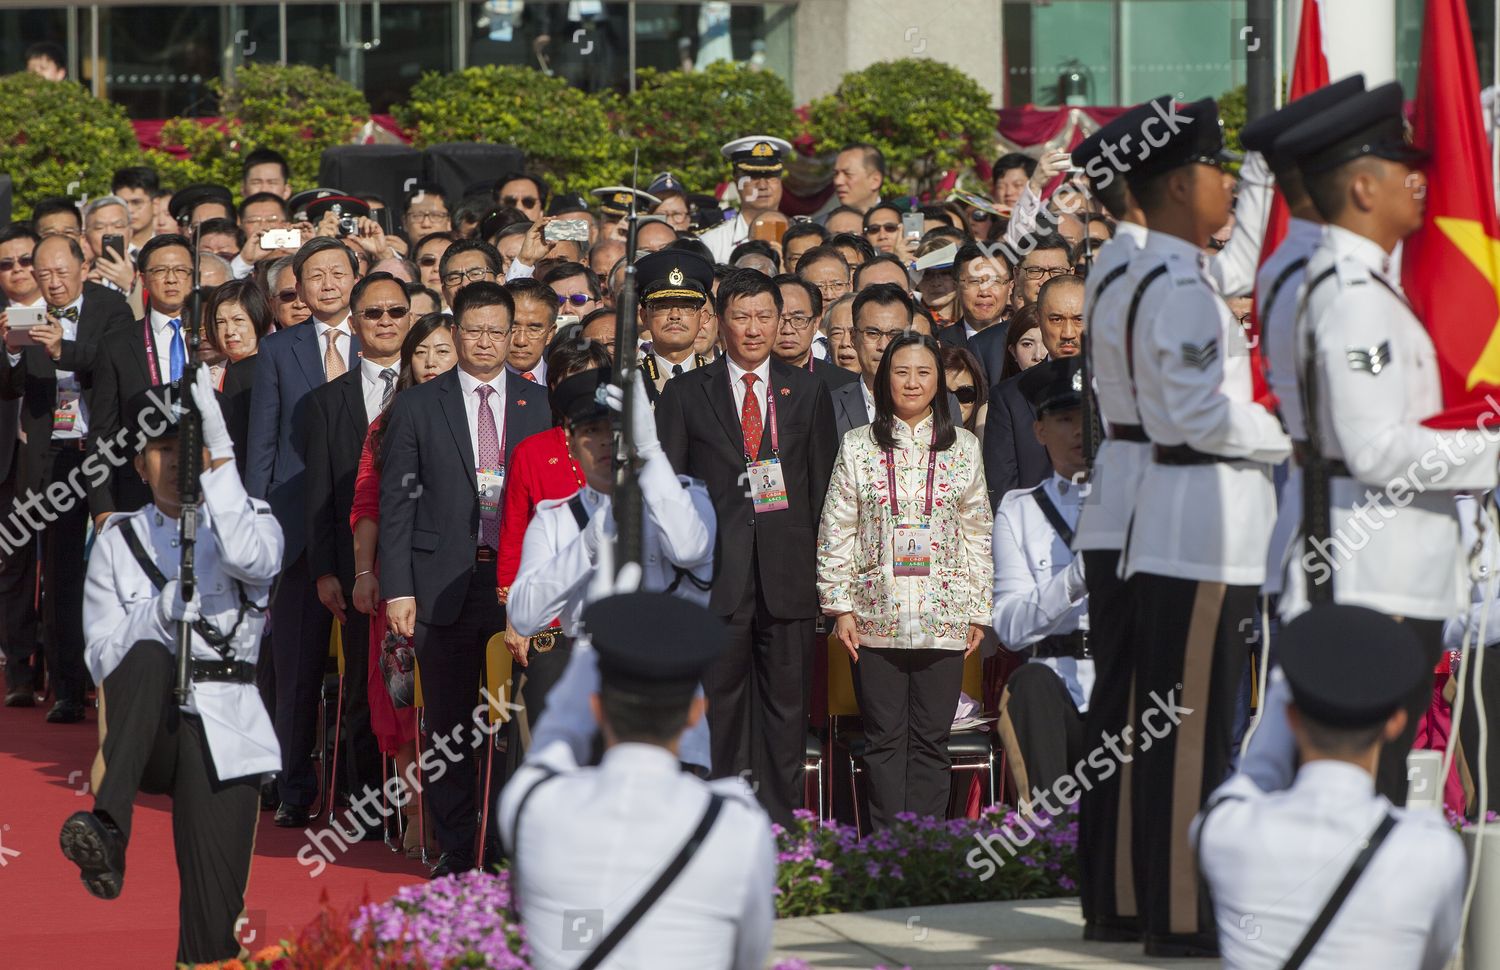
(71,444)
(1184,455)
(1302,454)
(547,640)
(233,671)
(1075,644)
(1128,432)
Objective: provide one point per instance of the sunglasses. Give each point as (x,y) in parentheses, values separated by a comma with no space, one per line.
(8,264)
(519,201)
(427,261)
(883,227)
(967,394)
(373,313)
(287,296)
(577,299)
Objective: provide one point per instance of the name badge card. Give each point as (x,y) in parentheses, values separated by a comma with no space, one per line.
(913,550)
(65,415)
(767,486)
(491,480)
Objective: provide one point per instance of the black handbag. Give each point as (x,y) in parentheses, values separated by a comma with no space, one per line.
(398,667)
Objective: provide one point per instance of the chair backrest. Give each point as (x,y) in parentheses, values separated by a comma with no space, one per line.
(974,677)
(497,675)
(841,700)
(336,645)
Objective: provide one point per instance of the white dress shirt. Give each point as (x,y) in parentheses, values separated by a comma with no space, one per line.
(868,398)
(161,339)
(664,366)
(344,343)
(470,387)
(762,387)
(1272,859)
(68,381)
(1039,588)
(373,385)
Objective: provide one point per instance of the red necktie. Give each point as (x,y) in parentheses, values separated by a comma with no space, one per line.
(750,420)
(529,376)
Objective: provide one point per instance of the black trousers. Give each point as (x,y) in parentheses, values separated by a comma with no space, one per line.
(1390,771)
(1468,728)
(17,590)
(360,756)
(300,628)
(1105,861)
(151,746)
(757,702)
(62,583)
(1192,651)
(1041,731)
(531,684)
(907,699)
(450,660)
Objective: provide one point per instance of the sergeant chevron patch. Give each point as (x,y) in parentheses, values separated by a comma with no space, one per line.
(1200,356)
(1372,359)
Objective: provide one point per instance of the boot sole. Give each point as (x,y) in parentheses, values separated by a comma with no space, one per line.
(83,842)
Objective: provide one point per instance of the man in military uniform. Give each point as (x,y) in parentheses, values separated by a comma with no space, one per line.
(674,286)
(614,207)
(1329,871)
(757,161)
(209,753)
(637,809)
(1196,549)
(1369,379)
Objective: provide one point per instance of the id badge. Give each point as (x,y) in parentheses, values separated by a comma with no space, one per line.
(65,415)
(767,485)
(491,480)
(913,550)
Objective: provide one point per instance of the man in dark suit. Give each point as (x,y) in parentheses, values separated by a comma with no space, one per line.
(802,308)
(291,363)
(447,444)
(984,284)
(53,378)
(18,288)
(338,416)
(1013,457)
(731,423)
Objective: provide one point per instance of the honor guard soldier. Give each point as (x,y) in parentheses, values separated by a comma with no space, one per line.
(1276,287)
(1195,555)
(1369,379)
(691,863)
(1040,597)
(1327,874)
(614,207)
(675,286)
(569,538)
(209,753)
(757,161)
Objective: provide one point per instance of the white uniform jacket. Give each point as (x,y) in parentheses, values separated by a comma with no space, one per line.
(1039,589)
(238,540)
(1209,522)
(594,839)
(1232,268)
(722,239)
(1272,860)
(1394,543)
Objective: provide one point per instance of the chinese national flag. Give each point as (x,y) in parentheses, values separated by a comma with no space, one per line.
(1451,266)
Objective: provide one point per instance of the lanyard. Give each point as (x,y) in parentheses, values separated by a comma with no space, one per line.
(770,415)
(151,352)
(890,478)
(499,431)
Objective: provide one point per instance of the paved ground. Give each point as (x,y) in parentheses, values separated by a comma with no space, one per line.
(973,936)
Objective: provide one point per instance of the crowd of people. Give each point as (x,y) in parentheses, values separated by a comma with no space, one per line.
(1033,421)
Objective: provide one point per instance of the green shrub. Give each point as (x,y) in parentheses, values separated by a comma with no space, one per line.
(564,132)
(298,110)
(1233,112)
(925,116)
(57,139)
(680,119)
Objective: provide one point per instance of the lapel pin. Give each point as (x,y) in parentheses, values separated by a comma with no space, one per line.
(551,461)
(520,402)
(786,392)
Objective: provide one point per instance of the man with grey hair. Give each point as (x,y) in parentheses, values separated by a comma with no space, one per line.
(213,270)
(110,216)
(287,308)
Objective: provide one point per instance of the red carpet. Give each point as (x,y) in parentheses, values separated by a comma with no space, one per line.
(47,918)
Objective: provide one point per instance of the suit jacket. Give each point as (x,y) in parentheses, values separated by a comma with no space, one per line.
(429,494)
(832,375)
(1013,458)
(988,347)
(700,431)
(239,382)
(33,382)
(849,408)
(336,428)
(290,366)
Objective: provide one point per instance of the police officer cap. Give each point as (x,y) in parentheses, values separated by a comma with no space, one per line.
(614,200)
(298,203)
(1261,134)
(1171,137)
(580,398)
(653,644)
(1371,123)
(1055,384)
(757,154)
(1348,666)
(665,183)
(154,412)
(189,197)
(674,274)
(1103,167)
(565,203)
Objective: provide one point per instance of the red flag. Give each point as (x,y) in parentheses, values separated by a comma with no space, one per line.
(1451,266)
(1309,72)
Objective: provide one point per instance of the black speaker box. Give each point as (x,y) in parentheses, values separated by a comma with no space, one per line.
(458,166)
(383,170)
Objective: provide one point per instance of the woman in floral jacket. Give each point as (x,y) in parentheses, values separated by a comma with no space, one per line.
(909,585)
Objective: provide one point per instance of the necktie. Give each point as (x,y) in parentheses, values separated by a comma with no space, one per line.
(750,420)
(389,376)
(333,361)
(676,370)
(529,376)
(64,312)
(489,458)
(178,352)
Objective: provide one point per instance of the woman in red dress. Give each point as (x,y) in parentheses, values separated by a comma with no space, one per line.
(427,352)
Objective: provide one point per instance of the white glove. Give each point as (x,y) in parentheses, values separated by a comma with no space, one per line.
(215,431)
(600,531)
(1077,589)
(172,609)
(643,419)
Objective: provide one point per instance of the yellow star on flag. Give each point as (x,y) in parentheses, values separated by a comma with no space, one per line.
(1483,251)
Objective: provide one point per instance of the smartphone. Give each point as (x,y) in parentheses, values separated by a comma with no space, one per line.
(20,320)
(570,230)
(281,239)
(911,225)
(115,242)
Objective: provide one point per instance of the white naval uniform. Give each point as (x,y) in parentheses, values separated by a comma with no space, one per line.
(238,539)
(1272,860)
(722,239)
(1039,589)
(1210,522)
(1377,376)
(1232,268)
(1278,345)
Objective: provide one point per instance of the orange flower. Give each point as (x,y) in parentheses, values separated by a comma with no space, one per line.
(267,954)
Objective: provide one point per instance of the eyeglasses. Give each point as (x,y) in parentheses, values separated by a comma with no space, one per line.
(519,201)
(10,263)
(532,330)
(799,321)
(426,215)
(1035,273)
(577,299)
(979,215)
(287,296)
(875,227)
(473,334)
(427,261)
(966,393)
(373,313)
(266,220)
(982,282)
(878,336)
(457,276)
(832,286)
(173,272)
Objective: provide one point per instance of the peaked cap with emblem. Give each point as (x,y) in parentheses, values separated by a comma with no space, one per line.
(1350,667)
(757,154)
(1371,123)
(614,200)
(1053,385)
(653,645)
(1262,134)
(674,274)
(1193,134)
(664,184)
